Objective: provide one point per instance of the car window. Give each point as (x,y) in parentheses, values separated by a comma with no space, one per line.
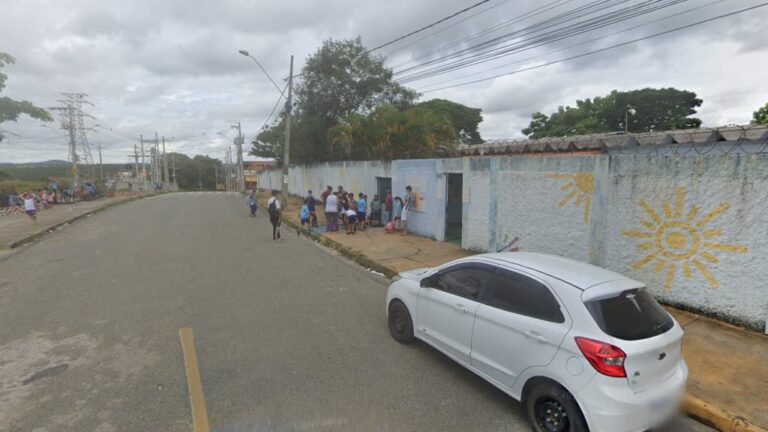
(466,281)
(631,315)
(525,296)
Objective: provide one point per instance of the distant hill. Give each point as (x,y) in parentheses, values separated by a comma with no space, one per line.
(38,171)
(48,163)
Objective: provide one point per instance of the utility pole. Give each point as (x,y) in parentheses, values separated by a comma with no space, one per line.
(287,145)
(101,166)
(136,159)
(143,164)
(157,172)
(199,177)
(165,165)
(216,177)
(239,140)
(175,182)
(72,120)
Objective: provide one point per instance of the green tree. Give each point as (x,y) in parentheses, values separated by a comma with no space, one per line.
(340,79)
(464,119)
(388,133)
(647,110)
(761,115)
(197,173)
(10,109)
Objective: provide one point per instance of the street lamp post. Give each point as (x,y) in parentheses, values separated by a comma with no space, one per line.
(289,102)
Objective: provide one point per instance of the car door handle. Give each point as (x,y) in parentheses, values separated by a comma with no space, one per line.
(536,336)
(461,308)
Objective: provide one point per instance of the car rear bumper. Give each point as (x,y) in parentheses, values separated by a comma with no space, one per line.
(609,405)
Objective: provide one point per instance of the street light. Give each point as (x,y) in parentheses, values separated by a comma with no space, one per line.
(247,54)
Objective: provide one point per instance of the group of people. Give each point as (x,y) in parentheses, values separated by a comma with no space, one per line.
(354,212)
(357,213)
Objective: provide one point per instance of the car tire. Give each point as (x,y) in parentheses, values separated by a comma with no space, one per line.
(400,323)
(551,408)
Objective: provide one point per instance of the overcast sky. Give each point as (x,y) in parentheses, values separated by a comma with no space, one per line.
(173,67)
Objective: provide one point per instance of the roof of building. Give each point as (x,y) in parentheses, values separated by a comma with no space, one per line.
(620,140)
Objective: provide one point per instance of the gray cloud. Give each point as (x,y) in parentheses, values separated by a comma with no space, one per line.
(172,66)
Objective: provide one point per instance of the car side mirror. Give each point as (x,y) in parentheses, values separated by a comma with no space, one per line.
(429,281)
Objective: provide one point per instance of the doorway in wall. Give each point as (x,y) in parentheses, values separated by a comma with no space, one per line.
(453,207)
(382,184)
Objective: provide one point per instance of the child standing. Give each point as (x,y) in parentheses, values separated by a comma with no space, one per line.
(29,207)
(351,221)
(398,211)
(362,206)
(304,218)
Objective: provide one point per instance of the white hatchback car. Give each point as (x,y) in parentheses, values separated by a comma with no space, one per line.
(582,347)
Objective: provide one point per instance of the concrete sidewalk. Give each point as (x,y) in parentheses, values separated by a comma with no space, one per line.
(16,228)
(728,383)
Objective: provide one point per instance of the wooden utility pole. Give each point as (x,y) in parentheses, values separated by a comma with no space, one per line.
(287,145)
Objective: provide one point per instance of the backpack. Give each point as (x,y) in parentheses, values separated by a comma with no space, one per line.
(272,210)
(390,227)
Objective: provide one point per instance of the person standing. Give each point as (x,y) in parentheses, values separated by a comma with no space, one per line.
(331,213)
(304,218)
(324,195)
(251,201)
(386,214)
(362,206)
(273,208)
(310,202)
(407,208)
(375,217)
(30,208)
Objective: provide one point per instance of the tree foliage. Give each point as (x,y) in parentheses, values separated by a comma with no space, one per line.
(761,115)
(389,133)
(649,110)
(463,118)
(10,109)
(198,172)
(340,79)
(349,107)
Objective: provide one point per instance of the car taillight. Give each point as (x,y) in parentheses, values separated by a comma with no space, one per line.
(605,358)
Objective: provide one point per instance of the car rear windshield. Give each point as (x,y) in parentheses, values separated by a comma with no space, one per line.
(631,315)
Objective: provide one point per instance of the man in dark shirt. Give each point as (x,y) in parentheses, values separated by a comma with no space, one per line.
(310,201)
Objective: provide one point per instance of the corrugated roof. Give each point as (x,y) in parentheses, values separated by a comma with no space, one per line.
(604,141)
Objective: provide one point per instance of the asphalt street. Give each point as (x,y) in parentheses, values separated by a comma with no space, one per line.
(289,337)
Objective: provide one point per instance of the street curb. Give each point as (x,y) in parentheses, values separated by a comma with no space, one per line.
(31,238)
(349,253)
(716,417)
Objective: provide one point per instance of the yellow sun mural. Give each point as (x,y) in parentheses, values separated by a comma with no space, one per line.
(675,240)
(579,189)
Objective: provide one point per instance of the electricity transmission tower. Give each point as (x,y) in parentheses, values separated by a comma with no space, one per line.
(73,121)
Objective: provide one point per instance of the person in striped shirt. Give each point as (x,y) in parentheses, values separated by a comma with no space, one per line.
(408,204)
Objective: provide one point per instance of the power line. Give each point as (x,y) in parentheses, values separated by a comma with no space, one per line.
(473,36)
(269,117)
(489,50)
(426,27)
(588,41)
(553,36)
(444,29)
(676,29)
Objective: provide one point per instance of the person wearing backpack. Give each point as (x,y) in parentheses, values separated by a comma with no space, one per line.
(273,208)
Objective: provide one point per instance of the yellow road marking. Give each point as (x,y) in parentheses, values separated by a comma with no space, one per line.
(196,398)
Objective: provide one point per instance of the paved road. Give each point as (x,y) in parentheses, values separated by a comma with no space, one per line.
(289,337)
